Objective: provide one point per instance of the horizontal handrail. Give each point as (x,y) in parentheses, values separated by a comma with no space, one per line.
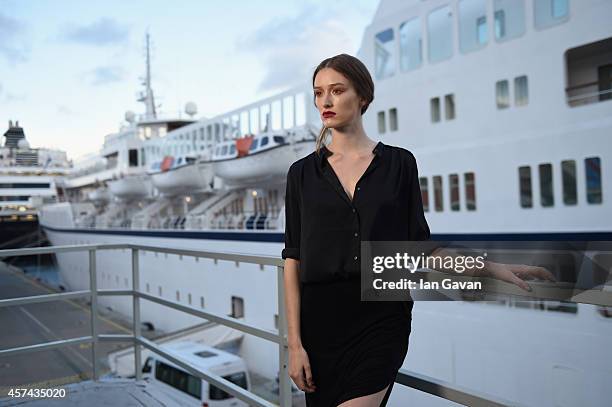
(231,256)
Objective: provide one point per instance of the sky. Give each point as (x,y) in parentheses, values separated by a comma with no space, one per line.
(69,70)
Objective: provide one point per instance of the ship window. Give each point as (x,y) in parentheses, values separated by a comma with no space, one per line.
(133,157)
(473,33)
(381,122)
(470,191)
(159,290)
(254,145)
(237,307)
(393,119)
(568,171)
(550,12)
(254,121)
(592,168)
(264,141)
(453,180)
(589,73)
(424,193)
(502,96)
(276,115)
(264,117)
(288,112)
(411,43)
(279,139)
(449,106)
(189,298)
(232,149)
(300,109)
(235,125)
(178,295)
(384,63)
(440,34)
(201,302)
(521,95)
(525,187)
(276,321)
(435,109)
(224,150)
(546,185)
(244,122)
(438,201)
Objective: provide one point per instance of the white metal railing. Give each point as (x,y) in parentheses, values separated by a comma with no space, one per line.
(414,380)
(137,339)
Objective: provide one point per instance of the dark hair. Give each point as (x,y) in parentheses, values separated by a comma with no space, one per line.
(359,76)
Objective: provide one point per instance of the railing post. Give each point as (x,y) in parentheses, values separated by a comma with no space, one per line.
(136,313)
(93,287)
(284,381)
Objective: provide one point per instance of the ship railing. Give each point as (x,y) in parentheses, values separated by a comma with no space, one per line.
(587,93)
(405,377)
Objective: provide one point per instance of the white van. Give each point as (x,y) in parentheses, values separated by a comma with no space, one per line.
(188,390)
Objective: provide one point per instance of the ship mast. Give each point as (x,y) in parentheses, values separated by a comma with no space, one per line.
(147,95)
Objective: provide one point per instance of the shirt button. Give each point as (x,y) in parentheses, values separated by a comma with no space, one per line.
(355,257)
(356,234)
(353,210)
(358,188)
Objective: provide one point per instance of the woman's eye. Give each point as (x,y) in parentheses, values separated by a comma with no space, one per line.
(337,91)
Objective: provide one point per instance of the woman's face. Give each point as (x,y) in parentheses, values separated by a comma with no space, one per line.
(336,99)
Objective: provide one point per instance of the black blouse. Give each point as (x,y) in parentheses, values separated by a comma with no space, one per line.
(324,228)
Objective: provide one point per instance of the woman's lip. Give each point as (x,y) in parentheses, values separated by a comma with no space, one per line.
(328,114)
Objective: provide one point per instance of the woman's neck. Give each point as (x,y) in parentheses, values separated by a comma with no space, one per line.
(350,139)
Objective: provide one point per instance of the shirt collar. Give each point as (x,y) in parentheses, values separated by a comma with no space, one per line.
(324,152)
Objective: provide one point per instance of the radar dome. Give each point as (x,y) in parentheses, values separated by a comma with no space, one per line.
(191,108)
(130,116)
(23,144)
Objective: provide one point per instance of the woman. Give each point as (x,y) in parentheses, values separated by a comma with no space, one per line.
(344,351)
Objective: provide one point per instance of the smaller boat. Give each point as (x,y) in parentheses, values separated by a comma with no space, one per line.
(181,175)
(263,158)
(131,187)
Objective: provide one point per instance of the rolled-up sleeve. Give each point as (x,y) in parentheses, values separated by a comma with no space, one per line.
(419,229)
(292,217)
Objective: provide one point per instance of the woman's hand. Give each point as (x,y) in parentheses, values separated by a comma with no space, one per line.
(516,273)
(299,369)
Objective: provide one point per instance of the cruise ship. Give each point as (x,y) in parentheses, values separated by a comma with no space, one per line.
(507,106)
(29,178)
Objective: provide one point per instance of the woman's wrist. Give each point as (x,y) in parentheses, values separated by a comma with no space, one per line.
(294,343)
(489,268)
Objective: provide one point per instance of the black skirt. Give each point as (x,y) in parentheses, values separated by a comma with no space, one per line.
(355,347)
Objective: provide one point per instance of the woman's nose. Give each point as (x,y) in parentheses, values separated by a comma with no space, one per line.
(327,102)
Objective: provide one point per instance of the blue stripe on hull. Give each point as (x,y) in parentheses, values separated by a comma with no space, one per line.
(276,237)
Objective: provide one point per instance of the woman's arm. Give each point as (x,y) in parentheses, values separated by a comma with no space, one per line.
(292,302)
(299,364)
